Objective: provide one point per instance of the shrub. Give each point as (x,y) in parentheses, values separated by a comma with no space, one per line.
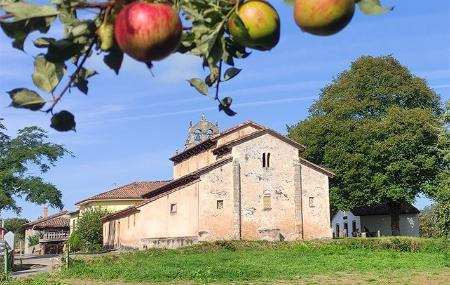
(89,229)
(34,239)
(75,242)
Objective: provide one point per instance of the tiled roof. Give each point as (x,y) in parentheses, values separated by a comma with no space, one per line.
(43,220)
(130,191)
(167,189)
(383,209)
(58,222)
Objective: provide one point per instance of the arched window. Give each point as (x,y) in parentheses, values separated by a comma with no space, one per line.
(209,133)
(198,136)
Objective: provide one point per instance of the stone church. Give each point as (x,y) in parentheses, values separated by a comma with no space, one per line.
(248,182)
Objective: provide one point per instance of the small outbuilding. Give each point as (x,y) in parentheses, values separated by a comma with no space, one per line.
(375,220)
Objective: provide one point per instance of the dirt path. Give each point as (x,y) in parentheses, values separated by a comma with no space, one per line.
(30,265)
(422,278)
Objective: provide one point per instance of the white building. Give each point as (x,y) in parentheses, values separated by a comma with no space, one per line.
(374,218)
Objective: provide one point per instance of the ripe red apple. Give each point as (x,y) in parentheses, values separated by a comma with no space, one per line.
(256,25)
(148,31)
(323,17)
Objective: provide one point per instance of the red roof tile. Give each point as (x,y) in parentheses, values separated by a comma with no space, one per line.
(58,222)
(166,189)
(44,220)
(130,191)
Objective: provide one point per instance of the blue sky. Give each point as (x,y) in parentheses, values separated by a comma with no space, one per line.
(130,124)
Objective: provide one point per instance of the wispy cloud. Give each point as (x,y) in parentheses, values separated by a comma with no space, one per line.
(198,110)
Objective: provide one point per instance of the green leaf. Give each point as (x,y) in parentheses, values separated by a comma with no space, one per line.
(81,80)
(224,105)
(114,58)
(199,85)
(47,75)
(43,42)
(62,50)
(63,121)
(372,7)
(231,72)
(25,11)
(7,2)
(26,99)
(19,30)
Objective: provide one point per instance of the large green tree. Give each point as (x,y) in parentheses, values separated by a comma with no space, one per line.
(15,225)
(28,151)
(378,127)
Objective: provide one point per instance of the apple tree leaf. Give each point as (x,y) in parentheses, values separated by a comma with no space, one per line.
(373,7)
(199,85)
(231,72)
(26,99)
(47,75)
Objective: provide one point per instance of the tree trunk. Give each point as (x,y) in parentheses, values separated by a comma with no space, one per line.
(394,208)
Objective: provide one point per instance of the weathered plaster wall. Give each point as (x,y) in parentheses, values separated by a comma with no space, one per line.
(276,181)
(109,205)
(205,158)
(155,220)
(316,217)
(236,135)
(193,163)
(216,223)
(409,224)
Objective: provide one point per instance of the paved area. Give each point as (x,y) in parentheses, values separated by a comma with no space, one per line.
(29,265)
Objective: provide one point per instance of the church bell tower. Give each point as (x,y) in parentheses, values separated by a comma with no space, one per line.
(201,131)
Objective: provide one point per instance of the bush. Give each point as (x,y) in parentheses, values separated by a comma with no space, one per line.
(34,239)
(89,230)
(75,242)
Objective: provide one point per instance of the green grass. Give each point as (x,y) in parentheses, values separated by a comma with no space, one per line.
(225,262)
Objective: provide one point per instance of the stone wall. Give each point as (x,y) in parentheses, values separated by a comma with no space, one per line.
(216,204)
(274,184)
(316,212)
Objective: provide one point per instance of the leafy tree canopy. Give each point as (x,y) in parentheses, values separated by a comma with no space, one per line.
(29,148)
(15,225)
(379,128)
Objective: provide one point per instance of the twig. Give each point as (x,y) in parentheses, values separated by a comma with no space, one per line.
(94,4)
(73,76)
(218,81)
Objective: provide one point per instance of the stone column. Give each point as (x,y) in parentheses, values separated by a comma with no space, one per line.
(298,198)
(237,199)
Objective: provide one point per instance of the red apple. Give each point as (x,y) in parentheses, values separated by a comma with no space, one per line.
(323,17)
(148,31)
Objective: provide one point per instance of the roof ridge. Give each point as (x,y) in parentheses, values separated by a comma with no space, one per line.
(96,196)
(47,218)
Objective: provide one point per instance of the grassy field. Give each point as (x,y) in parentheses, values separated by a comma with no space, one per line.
(350,261)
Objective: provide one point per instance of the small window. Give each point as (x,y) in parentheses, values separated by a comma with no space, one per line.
(337,230)
(268,160)
(173,208)
(219,204)
(198,136)
(311,202)
(264,160)
(267,202)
